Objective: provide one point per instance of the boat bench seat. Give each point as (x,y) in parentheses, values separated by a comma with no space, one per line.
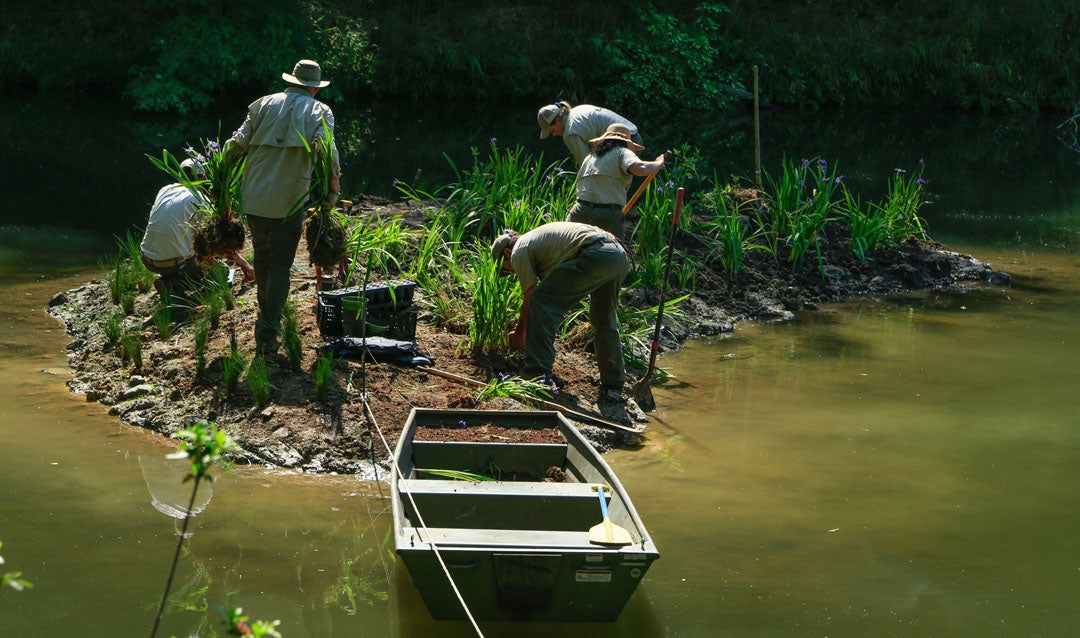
(505,505)
(509,538)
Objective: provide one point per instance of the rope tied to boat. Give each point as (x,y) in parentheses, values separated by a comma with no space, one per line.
(420,519)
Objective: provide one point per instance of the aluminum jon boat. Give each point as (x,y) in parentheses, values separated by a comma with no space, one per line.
(520,547)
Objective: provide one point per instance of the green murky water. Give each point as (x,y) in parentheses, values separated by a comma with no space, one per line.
(905,467)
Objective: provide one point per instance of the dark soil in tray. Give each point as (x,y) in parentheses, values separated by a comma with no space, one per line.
(487,433)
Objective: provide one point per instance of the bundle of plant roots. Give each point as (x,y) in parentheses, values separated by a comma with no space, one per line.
(325,235)
(218,235)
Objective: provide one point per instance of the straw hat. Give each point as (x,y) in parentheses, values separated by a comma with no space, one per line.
(306,73)
(618,132)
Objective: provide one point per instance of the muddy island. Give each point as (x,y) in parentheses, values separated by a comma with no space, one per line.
(344,423)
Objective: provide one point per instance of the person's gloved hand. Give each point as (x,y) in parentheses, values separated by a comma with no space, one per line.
(330,200)
(669,157)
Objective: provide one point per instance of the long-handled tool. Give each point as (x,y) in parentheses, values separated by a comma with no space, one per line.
(551,405)
(642,389)
(607,533)
(638,193)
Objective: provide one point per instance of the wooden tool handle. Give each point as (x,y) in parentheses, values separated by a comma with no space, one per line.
(638,193)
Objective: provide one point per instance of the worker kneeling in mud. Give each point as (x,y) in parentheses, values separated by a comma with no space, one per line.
(557,265)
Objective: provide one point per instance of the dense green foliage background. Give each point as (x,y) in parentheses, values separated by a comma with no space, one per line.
(677,55)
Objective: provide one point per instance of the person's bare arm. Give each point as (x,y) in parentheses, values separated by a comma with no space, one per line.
(517,337)
(643,169)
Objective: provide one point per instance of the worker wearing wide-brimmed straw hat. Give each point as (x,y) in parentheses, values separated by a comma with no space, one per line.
(579,124)
(603,180)
(277,135)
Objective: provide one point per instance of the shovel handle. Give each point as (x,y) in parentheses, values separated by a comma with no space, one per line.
(678,206)
(638,193)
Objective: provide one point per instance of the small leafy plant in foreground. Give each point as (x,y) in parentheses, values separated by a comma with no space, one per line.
(204,445)
(13,580)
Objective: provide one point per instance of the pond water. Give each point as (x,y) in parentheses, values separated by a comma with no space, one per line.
(901,467)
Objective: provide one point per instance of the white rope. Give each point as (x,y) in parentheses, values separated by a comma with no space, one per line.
(420,519)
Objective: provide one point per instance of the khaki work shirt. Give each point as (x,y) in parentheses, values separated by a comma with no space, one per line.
(586,122)
(606,180)
(277,176)
(541,249)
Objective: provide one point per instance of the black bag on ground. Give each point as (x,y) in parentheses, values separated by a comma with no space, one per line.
(379,350)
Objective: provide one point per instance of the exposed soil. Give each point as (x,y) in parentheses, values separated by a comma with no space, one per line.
(345,434)
(486,433)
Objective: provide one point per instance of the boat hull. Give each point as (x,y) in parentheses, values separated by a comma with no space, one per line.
(514,550)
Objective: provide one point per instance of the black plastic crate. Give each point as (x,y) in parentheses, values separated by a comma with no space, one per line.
(397,324)
(397,293)
(378,297)
(328,316)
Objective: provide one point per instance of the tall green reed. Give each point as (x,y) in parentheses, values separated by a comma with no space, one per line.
(903,201)
(163,316)
(324,369)
(727,233)
(200,337)
(290,336)
(131,347)
(232,365)
(258,381)
(112,327)
(496,300)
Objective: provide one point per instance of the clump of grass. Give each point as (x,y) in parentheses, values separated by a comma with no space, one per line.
(232,365)
(258,381)
(210,298)
(455,475)
(294,345)
(122,285)
(131,347)
(163,317)
(902,203)
(218,280)
(516,387)
(729,234)
(495,302)
(324,367)
(200,336)
(113,327)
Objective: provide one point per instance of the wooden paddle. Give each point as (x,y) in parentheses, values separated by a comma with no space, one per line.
(642,389)
(551,405)
(607,533)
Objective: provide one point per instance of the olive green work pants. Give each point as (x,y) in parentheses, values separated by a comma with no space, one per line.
(597,271)
(274,242)
(609,217)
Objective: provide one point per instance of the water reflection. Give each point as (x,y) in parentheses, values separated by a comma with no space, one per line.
(899,467)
